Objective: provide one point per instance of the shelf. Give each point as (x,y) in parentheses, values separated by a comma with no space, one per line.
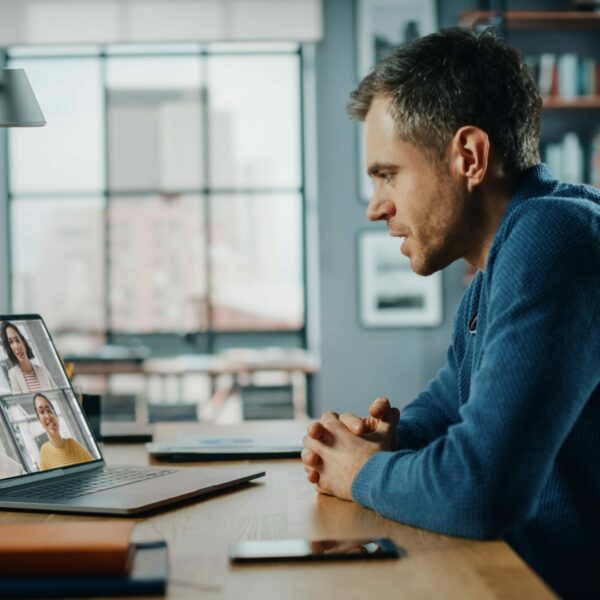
(534,19)
(585,102)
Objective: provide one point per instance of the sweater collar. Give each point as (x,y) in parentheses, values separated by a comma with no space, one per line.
(533,182)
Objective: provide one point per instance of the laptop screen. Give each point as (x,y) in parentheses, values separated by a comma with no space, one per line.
(42,426)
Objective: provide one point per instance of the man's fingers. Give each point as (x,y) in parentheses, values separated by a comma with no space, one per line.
(315,430)
(320,445)
(323,491)
(383,411)
(312,476)
(310,458)
(380,408)
(355,424)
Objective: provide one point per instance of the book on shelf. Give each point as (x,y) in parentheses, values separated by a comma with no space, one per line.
(567,65)
(566,76)
(546,75)
(566,158)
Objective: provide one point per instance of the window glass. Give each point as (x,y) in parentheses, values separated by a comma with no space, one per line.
(154,123)
(67,154)
(256,262)
(157,264)
(58,262)
(254,121)
(115,225)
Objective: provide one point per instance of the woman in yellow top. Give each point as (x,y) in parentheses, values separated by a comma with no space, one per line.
(59,451)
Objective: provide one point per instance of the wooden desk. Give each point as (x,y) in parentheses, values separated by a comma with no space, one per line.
(283,504)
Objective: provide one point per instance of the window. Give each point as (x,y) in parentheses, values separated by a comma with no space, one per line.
(164,200)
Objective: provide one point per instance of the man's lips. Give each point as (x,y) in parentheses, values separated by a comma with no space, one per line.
(402,236)
(403,239)
(398,233)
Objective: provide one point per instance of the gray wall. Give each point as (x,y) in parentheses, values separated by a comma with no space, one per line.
(4,238)
(357,363)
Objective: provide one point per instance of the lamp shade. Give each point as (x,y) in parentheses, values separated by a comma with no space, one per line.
(18,105)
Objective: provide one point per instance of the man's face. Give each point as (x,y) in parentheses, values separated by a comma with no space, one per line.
(416,195)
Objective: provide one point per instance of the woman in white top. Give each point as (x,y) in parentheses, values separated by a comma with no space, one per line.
(24,376)
(9,467)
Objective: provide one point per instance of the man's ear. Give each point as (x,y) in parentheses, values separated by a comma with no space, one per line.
(470,151)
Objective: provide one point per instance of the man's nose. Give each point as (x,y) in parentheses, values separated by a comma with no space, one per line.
(380,209)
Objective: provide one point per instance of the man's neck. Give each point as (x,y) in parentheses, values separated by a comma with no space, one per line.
(492,201)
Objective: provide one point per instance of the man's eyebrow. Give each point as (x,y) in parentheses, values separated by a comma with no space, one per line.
(376,167)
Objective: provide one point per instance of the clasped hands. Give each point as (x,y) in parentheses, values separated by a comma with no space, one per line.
(337,446)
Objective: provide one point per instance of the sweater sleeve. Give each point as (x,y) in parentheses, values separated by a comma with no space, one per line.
(430,414)
(541,352)
(433,411)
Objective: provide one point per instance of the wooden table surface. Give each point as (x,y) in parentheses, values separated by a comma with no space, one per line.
(284,505)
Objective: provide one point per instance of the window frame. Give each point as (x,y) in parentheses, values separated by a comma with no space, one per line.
(171,343)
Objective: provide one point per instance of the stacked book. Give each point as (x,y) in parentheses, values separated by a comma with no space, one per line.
(566,158)
(78,559)
(566,76)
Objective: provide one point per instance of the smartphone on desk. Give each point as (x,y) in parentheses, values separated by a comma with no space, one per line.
(296,550)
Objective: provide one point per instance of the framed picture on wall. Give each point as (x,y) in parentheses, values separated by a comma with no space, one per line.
(383,25)
(391,294)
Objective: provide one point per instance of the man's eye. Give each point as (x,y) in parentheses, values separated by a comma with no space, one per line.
(387,177)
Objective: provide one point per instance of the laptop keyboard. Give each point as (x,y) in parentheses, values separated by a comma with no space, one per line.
(86,483)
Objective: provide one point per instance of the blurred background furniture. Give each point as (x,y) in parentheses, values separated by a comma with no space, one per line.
(241,384)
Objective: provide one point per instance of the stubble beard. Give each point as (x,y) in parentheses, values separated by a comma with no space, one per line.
(445,238)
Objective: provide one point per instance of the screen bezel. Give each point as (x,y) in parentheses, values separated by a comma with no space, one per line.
(27,478)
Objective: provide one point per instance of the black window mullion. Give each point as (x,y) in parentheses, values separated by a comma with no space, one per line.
(106,193)
(303,200)
(206,195)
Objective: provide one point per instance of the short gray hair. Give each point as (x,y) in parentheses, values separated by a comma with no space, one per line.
(456,77)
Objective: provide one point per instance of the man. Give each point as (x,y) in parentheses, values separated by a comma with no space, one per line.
(505,441)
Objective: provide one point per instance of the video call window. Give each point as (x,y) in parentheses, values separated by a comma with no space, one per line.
(27,361)
(41,423)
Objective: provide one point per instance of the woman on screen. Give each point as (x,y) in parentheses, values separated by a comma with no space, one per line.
(58,451)
(24,376)
(9,467)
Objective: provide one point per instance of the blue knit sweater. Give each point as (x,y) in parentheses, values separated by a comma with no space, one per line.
(505,441)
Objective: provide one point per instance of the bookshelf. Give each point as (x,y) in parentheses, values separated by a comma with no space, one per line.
(585,103)
(516,19)
(560,47)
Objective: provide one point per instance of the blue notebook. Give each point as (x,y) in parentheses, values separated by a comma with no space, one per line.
(148,576)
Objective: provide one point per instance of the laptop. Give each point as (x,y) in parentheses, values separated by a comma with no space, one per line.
(49,459)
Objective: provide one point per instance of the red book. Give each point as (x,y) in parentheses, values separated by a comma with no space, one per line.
(66,548)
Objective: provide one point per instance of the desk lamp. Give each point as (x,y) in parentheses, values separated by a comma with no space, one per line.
(18,106)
